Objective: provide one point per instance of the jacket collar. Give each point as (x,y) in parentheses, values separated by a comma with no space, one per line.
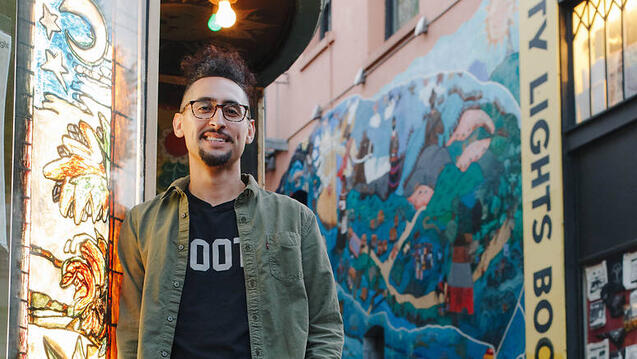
(181,185)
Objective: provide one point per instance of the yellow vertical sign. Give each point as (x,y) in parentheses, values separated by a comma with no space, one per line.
(541,132)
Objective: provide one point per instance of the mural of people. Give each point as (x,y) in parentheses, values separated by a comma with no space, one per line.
(437,151)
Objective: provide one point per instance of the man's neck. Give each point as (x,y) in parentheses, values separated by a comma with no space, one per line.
(215,185)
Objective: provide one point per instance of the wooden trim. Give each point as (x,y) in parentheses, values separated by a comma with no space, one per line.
(601,124)
(260,125)
(149,151)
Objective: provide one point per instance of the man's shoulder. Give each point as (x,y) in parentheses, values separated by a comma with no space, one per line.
(283,200)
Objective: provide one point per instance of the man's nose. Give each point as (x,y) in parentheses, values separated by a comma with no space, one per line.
(217,119)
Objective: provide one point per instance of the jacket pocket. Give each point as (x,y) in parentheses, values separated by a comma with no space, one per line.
(284,256)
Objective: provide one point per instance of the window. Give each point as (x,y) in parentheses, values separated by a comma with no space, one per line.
(398,13)
(326,19)
(604,48)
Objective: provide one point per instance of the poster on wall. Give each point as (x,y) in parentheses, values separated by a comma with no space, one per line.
(597,350)
(630,270)
(5,56)
(596,278)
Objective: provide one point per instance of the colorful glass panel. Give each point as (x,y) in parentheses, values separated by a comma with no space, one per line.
(83,74)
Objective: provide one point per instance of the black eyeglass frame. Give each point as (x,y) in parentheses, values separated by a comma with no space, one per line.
(216,106)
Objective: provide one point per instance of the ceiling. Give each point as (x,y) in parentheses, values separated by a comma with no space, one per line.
(270,34)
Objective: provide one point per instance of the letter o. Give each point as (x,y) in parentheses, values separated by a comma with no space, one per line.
(544,343)
(543,304)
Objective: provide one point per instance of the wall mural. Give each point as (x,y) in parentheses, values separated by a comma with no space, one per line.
(418,195)
(73,143)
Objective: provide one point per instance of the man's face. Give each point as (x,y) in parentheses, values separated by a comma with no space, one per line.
(216,141)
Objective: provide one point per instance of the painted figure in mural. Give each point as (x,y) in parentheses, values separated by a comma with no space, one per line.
(216,264)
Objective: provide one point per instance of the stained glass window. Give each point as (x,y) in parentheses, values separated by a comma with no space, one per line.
(604,55)
(79,102)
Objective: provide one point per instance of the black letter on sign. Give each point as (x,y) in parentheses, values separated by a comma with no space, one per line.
(535,83)
(546,222)
(537,166)
(536,41)
(542,281)
(541,6)
(535,143)
(543,304)
(544,200)
(544,343)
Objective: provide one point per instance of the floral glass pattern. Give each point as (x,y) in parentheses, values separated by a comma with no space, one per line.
(78,161)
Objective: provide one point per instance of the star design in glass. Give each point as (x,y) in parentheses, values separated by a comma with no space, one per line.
(49,21)
(54,63)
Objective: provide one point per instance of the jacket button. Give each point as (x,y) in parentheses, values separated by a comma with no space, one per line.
(248,248)
(164,353)
(181,247)
(243,219)
(183,215)
(176,284)
(170,318)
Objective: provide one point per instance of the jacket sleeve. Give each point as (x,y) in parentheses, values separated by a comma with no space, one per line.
(131,291)
(325,335)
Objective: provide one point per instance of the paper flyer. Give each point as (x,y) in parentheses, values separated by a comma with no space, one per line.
(631,352)
(596,278)
(630,270)
(597,350)
(597,315)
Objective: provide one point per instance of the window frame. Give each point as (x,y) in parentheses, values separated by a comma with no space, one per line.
(390,6)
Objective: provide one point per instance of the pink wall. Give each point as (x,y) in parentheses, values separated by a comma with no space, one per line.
(323,75)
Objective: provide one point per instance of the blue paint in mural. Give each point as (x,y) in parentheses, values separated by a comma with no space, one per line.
(418,195)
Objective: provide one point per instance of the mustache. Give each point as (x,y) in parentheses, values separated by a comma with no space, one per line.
(223,134)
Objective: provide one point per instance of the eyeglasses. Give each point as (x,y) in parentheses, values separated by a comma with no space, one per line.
(205,109)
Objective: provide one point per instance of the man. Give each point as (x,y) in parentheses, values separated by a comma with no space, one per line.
(216,267)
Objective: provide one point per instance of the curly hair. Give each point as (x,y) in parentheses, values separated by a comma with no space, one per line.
(216,61)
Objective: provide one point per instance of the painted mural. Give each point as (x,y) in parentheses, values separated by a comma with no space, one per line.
(74,144)
(418,195)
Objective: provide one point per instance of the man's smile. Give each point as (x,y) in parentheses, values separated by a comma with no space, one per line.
(215,137)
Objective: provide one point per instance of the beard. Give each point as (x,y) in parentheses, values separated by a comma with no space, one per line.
(215,160)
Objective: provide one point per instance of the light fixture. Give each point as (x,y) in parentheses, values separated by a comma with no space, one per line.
(422,27)
(224,17)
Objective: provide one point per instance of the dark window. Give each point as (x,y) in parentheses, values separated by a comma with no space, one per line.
(398,13)
(326,19)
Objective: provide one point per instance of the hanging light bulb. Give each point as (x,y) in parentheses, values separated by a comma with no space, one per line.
(225,15)
(212,23)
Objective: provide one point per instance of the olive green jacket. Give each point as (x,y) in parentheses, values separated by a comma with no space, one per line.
(292,306)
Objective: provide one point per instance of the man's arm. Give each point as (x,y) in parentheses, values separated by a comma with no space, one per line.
(325,335)
(131,291)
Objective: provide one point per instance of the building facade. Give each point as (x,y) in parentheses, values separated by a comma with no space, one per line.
(463,160)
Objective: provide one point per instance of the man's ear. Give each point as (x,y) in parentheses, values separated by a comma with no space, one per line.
(251,132)
(177,124)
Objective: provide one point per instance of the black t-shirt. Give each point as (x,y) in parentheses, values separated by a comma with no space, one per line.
(213,319)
